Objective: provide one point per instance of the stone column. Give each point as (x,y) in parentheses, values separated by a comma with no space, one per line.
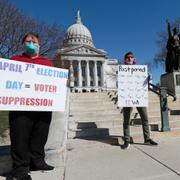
(79,74)
(95,74)
(71,69)
(87,74)
(102,74)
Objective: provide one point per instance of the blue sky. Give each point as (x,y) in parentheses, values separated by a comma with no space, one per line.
(117,26)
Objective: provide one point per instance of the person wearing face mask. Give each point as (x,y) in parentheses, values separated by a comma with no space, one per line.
(29,129)
(129,59)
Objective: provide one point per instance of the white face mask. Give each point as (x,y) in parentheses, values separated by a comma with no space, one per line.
(131,61)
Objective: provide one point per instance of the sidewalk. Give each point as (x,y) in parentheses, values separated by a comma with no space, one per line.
(92,160)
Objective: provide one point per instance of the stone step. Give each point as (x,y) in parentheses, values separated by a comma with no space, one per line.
(113,124)
(105,124)
(104,101)
(153,103)
(88,142)
(93,106)
(92,103)
(151,112)
(94,113)
(103,117)
(92,109)
(109,107)
(175,112)
(150,99)
(97,124)
(174,133)
(103,132)
(79,100)
(154,96)
(174,122)
(174,106)
(88,97)
(113,116)
(156,99)
(89,115)
(150,106)
(89,94)
(174,118)
(116,116)
(96,117)
(107,115)
(98,111)
(136,137)
(136,130)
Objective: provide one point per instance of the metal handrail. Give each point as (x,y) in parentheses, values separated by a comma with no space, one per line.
(156,90)
(163,93)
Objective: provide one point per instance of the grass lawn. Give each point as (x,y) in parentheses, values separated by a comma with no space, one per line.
(4,122)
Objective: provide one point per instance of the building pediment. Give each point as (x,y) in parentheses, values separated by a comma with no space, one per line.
(82,50)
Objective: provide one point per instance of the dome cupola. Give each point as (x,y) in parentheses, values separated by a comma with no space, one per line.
(78,34)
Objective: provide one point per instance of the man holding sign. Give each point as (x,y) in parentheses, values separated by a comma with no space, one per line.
(129,100)
(29,129)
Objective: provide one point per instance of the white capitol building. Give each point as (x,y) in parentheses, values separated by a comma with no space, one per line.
(89,68)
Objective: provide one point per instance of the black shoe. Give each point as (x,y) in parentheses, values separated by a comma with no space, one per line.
(126,145)
(23,177)
(150,142)
(42,167)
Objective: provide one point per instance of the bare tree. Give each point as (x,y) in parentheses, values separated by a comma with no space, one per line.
(149,64)
(14,24)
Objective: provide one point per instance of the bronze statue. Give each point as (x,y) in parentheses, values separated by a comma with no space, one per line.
(173,50)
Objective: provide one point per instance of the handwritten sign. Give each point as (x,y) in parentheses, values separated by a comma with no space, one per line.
(32,87)
(133,86)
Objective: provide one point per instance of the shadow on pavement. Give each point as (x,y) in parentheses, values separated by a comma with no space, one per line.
(89,131)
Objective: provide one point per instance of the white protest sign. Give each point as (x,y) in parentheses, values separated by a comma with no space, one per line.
(32,87)
(133,86)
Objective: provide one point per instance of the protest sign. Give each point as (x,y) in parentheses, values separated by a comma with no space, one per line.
(132,86)
(32,87)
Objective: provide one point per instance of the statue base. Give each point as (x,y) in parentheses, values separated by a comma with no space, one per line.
(172,82)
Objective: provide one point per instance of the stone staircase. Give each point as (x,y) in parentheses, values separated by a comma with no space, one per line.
(96,116)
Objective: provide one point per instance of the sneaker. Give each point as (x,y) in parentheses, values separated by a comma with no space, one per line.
(23,177)
(42,167)
(150,142)
(125,145)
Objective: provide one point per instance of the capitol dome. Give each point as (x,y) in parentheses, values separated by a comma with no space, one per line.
(78,34)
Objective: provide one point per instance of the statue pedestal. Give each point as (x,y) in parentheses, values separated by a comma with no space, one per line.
(172,82)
